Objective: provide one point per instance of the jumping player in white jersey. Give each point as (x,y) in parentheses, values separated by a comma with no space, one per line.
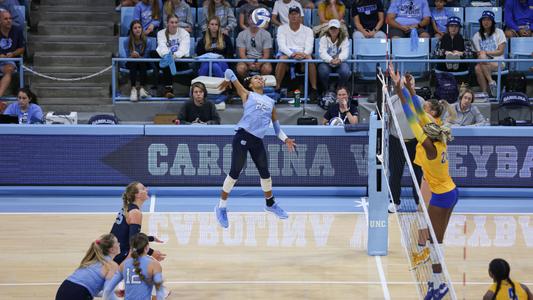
(259,111)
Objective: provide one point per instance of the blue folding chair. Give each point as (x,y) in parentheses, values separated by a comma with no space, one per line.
(472,15)
(369,49)
(315,19)
(522,47)
(126,17)
(401,49)
(308,16)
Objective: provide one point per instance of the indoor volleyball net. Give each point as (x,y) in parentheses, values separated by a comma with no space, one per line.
(413,219)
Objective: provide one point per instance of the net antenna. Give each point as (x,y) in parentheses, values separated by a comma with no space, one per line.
(410,222)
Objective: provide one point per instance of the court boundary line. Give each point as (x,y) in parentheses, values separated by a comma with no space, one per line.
(258,282)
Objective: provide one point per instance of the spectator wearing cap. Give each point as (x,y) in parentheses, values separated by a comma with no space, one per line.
(368,17)
(466,113)
(333,50)
(452,45)
(295,41)
(518,18)
(439,18)
(329,10)
(489,43)
(256,43)
(406,15)
(280,13)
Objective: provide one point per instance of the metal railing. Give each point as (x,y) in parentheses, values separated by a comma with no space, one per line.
(401,62)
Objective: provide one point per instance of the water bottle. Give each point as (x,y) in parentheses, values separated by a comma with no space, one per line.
(297,98)
(24,118)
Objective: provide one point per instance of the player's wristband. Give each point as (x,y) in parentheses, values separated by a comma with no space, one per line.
(229,75)
(277,128)
(150,251)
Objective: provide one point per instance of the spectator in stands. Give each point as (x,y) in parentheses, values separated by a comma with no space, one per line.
(136,47)
(127,3)
(333,50)
(246,11)
(182,10)
(343,110)
(280,13)
(306,4)
(466,113)
(149,13)
(174,42)
(11,46)
(489,43)
(254,42)
(368,18)
(295,41)
(452,45)
(9,5)
(439,18)
(214,42)
(329,10)
(26,108)
(198,110)
(518,18)
(223,10)
(405,15)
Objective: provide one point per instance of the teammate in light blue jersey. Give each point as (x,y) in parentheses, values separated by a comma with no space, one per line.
(140,272)
(259,112)
(95,271)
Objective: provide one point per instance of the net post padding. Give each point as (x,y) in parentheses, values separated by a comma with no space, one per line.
(410,222)
(378,220)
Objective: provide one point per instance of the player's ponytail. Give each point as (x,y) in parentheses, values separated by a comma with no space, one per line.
(500,270)
(128,196)
(438,133)
(98,250)
(138,243)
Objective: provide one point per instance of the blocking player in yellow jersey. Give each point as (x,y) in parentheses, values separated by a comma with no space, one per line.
(503,287)
(431,156)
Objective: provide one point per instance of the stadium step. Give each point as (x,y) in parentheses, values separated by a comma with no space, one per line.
(99,3)
(55,46)
(79,91)
(75,15)
(80,59)
(75,28)
(77,107)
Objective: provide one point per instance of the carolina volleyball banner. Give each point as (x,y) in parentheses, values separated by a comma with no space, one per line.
(204,160)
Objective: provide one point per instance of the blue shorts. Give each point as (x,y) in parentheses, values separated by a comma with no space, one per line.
(445,200)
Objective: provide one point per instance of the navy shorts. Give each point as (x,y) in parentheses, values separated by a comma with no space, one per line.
(445,200)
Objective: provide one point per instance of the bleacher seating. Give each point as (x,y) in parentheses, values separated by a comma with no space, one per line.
(126,17)
(401,49)
(369,49)
(521,47)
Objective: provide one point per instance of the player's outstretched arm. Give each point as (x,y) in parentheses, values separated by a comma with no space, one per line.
(231,78)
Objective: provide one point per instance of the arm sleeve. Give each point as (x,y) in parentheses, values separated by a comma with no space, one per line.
(413,124)
(344,50)
(37,115)
(232,21)
(127,48)
(509,15)
(162,48)
(182,115)
(415,102)
(309,41)
(134,229)
(215,118)
(282,41)
(109,286)
(160,293)
(323,49)
(479,119)
(185,44)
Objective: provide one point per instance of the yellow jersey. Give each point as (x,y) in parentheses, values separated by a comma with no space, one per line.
(436,170)
(505,292)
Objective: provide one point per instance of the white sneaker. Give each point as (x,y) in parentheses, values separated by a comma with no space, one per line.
(393,208)
(143,93)
(221,106)
(134,97)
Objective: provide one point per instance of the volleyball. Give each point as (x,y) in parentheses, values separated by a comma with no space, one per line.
(261,17)
(336,122)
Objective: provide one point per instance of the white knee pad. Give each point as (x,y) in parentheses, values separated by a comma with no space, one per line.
(228,184)
(266,184)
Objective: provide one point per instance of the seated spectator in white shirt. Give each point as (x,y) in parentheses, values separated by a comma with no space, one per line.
(280,13)
(295,41)
(405,15)
(254,42)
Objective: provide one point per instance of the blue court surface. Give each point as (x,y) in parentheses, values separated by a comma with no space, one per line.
(244,199)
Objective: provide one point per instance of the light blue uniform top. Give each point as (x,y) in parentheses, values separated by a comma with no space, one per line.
(90,277)
(135,288)
(257,114)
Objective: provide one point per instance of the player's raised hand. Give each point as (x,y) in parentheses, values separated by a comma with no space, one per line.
(395,76)
(224,85)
